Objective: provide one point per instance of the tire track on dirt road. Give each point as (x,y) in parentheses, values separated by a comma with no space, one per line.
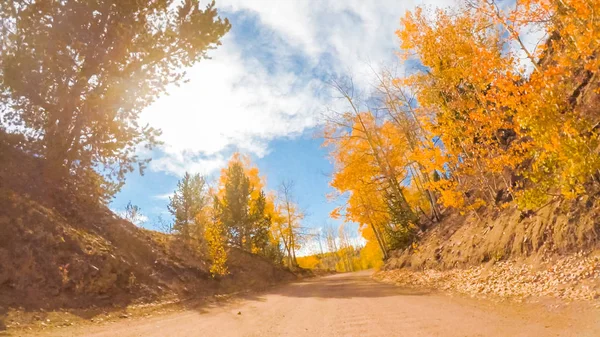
(353,304)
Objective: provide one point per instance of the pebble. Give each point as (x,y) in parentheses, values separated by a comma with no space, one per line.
(573,278)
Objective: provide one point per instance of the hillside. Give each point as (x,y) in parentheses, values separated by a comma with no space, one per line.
(462,240)
(551,253)
(59,252)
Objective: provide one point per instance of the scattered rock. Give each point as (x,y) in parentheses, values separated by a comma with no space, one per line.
(575,277)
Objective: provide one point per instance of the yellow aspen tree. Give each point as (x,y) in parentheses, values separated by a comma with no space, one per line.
(459,100)
(360,174)
(503,107)
(215,237)
(399,104)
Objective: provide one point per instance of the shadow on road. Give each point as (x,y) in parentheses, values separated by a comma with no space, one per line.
(345,286)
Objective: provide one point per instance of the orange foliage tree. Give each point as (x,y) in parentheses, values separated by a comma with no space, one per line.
(498,118)
(371,161)
(513,119)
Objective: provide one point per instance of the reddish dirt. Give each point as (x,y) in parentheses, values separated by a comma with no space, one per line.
(355,305)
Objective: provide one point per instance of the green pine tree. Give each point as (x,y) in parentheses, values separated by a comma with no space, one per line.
(187,202)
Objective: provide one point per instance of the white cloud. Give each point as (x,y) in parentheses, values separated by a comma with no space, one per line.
(229,103)
(178,160)
(139,219)
(165,196)
(242,101)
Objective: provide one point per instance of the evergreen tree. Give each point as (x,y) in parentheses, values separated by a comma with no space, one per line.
(243,211)
(236,202)
(187,202)
(261,224)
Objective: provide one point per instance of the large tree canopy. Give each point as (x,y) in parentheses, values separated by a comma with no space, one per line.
(76,74)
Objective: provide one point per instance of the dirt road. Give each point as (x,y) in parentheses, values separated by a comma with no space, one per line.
(354,305)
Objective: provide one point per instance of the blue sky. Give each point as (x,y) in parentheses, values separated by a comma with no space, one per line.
(301,159)
(262,93)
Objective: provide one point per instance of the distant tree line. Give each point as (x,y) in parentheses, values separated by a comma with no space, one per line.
(236,213)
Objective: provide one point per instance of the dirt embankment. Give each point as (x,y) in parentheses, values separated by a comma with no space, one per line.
(553,252)
(68,255)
